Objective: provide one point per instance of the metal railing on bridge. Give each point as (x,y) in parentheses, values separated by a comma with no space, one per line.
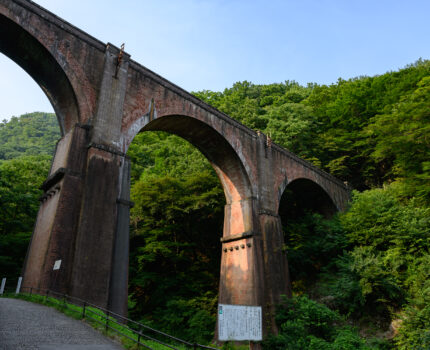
(139,333)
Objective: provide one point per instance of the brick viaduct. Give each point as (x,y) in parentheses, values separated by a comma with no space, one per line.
(102,99)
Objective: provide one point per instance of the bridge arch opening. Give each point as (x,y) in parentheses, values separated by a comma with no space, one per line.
(214,147)
(28,53)
(304,209)
(29,144)
(204,247)
(303,195)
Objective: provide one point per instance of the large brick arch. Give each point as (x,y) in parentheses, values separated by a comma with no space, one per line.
(25,50)
(221,155)
(149,100)
(64,61)
(212,145)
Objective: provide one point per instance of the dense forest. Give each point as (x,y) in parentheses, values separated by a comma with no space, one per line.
(360,279)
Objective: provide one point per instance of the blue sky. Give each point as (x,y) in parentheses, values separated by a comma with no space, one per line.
(210,44)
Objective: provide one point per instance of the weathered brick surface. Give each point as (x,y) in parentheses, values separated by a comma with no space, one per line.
(96,232)
(54,234)
(113,98)
(36,256)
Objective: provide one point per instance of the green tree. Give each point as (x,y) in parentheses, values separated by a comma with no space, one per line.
(175,253)
(20,181)
(307,325)
(30,134)
(403,136)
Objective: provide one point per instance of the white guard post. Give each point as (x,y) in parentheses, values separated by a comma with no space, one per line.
(18,286)
(3,283)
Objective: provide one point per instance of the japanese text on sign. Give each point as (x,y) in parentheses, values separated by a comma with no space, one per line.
(236,322)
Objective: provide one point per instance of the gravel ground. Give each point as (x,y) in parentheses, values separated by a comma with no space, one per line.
(24,325)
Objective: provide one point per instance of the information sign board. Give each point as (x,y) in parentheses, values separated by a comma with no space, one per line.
(237,322)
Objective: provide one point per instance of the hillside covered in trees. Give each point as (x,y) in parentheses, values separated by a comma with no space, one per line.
(360,279)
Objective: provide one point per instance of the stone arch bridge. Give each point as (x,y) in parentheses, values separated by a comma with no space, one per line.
(102,99)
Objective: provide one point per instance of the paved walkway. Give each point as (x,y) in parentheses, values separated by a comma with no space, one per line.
(24,325)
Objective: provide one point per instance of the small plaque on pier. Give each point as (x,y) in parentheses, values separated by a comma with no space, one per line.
(237,322)
(57,265)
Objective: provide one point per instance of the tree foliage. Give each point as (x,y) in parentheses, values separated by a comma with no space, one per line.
(31,134)
(175,244)
(307,325)
(20,180)
(26,147)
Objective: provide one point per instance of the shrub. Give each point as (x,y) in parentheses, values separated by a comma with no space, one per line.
(307,325)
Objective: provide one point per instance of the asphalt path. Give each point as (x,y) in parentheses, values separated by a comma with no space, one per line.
(25,325)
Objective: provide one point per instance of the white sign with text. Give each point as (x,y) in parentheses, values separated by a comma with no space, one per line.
(237,322)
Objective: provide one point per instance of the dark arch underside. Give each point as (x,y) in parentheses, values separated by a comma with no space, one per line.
(26,51)
(214,147)
(303,195)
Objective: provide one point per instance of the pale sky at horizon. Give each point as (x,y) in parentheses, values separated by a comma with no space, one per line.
(211,44)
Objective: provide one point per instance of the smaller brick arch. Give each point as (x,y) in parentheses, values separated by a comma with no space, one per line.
(26,51)
(295,169)
(304,194)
